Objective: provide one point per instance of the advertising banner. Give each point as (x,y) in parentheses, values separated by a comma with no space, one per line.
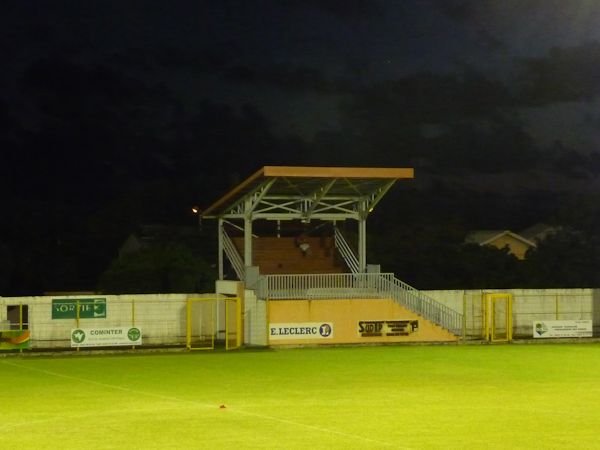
(301,330)
(562,328)
(14,339)
(105,337)
(89,308)
(379,328)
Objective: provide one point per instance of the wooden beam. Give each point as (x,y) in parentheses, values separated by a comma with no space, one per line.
(338,172)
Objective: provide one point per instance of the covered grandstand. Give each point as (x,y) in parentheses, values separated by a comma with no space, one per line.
(262,223)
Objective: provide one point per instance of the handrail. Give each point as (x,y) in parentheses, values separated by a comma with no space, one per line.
(427,307)
(233,256)
(346,252)
(236,226)
(359,285)
(322,286)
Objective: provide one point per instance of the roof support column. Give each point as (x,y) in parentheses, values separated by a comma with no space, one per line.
(248,236)
(362,237)
(362,245)
(220,232)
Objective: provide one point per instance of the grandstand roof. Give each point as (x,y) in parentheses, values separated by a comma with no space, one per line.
(305,193)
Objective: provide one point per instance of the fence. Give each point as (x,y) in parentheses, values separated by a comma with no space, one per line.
(162,318)
(50,320)
(325,286)
(528,306)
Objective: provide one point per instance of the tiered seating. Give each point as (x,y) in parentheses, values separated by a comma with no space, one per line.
(281,255)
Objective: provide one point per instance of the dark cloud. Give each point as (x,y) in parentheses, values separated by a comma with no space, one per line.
(289,78)
(574,164)
(175,59)
(61,76)
(438,122)
(430,98)
(460,10)
(345,9)
(472,14)
(565,75)
(499,147)
(490,42)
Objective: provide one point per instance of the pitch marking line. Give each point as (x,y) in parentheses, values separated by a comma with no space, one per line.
(212,406)
(78,416)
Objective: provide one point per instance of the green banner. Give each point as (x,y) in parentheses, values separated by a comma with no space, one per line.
(89,308)
(14,339)
(105,337)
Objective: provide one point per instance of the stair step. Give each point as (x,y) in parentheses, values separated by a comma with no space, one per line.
(281,255)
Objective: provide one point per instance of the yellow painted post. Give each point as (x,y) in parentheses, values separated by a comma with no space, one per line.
(486,320)
(509,328)
(495,298)
(492,318)
(229,315)
(241,295)
(491,300)
(240,325)
(238,318)
(215,317)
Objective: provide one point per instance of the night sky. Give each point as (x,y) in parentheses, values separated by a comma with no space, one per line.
(118,113)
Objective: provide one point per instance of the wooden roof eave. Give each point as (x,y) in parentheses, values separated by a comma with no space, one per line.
(216,210)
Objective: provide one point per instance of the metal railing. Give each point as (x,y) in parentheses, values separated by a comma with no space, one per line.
(323,286)
(347,254)
(359,285)
(427,307)
(233,256)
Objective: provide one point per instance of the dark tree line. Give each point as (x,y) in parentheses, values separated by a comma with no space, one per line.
(430,259)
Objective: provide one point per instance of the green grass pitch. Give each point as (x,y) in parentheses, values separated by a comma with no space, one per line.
(400,397)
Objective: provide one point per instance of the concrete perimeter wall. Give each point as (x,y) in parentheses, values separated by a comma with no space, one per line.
(161,317)
(529,305)
(343,321)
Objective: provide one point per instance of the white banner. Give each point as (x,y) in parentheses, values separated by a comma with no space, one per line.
(301,330)
(562,328)
(105,337)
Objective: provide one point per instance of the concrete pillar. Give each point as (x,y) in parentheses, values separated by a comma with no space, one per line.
(247,242)
(362,244)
